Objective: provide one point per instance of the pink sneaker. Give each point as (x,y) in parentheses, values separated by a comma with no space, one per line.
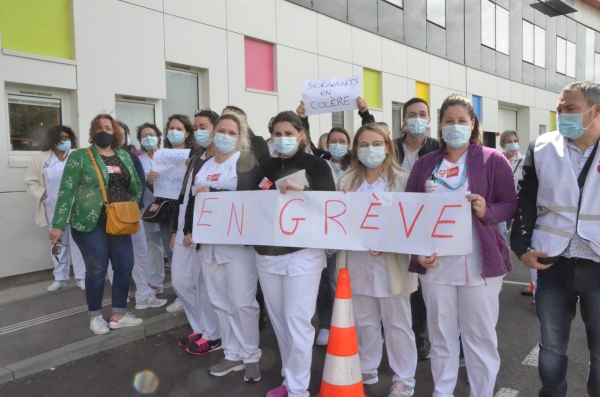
(281,391)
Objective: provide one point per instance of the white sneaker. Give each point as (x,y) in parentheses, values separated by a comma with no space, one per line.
(55,286)
(175,306)
(128,320)
(99,326)
(151,301)
(323,337)
(81,284)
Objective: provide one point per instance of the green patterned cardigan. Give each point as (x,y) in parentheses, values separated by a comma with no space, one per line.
(80,180)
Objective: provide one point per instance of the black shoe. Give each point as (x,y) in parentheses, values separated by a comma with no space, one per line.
(423,348)
(262,320)
(203,346)
(526,292)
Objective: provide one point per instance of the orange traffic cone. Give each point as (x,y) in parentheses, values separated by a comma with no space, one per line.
(342,376)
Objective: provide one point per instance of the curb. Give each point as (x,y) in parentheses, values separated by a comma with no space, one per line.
(62,355)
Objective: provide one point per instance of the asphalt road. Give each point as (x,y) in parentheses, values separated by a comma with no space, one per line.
(174,373)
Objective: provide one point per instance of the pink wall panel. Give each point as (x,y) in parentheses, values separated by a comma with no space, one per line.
(260,73)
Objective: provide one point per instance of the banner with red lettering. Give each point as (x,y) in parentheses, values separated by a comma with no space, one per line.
(411,223)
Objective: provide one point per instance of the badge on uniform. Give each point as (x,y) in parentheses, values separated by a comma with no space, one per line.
(265,184)
(113,169)
(213,177)
(450,172)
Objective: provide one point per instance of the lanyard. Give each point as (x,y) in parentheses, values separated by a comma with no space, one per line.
(443,183)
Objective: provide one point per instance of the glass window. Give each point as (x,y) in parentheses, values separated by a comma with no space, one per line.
(597,68)
(561,54)
(571,58)
(477,106)
(502,30)
(488,24)
(395,2)
(260,65)
(436,12)
(182,94)
(337,119)
(590,45)
(528,42)
(396,119)
(133,115)
(540,47)
(29,118)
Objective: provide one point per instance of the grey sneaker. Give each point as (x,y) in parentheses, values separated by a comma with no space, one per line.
(401,389)
(252,373)
(225,367)
(370,379)
(151,301)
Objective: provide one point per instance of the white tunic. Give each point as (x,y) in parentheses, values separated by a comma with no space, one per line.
(368,273)
(459,270)
(224,177)
(52,171)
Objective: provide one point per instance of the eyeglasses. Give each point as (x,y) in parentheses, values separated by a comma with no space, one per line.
(200,112)
(376,144)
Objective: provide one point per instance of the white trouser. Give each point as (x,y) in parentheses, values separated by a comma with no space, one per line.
(400,344)
(69,255)
(533,273)
(232,291)
(188,283)
(156,264)
(472,314)
(291,303)
(140,265)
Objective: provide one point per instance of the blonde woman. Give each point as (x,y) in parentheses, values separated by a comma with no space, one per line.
(381,282)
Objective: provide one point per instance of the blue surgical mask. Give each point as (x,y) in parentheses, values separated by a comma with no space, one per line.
(224,143)
(338,151)
(371,157)
(176,137)
(416,126)
(149,142)
(203,138)
(512,146)
(285,145)
(63,146)
(570,125)
(456,135)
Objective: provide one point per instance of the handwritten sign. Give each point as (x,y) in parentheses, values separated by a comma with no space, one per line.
(330,95)
(170,165)
(411,223)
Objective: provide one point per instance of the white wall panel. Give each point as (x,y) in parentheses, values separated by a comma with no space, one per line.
(125,59)
(516,92)
(252,18)
(210,12)
(438,71)
(528,95)
(297,26)
(474,82)
(504,90)
(394,59)
(395,88)
(156,5)
(489,86)
(418,65)
(294,67)
(457,75)
(335,38)
(366,49)
(540,98)
(181,35)
(490,114)
(551,100)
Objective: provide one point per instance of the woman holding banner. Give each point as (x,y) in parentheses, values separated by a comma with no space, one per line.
(290,276)
(230,270)
(461,292)
(381,282)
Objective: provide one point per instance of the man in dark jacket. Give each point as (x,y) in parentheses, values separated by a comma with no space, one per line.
(414,143)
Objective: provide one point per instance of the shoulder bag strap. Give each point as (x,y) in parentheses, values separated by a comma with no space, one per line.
(517,167)
(586,167)
(100,178)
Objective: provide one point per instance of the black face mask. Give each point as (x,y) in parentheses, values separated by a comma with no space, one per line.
(103,139)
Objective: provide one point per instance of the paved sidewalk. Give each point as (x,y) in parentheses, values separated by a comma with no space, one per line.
(40,330)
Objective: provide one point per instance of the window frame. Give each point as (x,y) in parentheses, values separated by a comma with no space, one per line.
(156,104)
(393,2)
(190,70)
(486,26)
(21,158)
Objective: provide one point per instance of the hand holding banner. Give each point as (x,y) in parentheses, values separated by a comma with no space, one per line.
(330,95)
(411,223)
(170,164)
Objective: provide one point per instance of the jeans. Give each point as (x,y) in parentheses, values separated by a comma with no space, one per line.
(419,313)
(558,288)
(326,293)
(97,248)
